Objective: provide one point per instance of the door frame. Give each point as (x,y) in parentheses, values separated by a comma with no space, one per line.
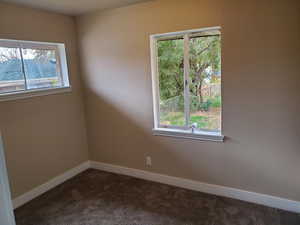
(7,216)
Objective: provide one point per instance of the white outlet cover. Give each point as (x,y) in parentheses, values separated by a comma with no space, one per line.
(148,161)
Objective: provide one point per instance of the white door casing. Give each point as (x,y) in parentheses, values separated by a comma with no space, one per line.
(6,210)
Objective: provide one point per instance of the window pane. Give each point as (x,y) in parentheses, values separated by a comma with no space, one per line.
(205,86)
(11,75)
(41,69)
(171,82)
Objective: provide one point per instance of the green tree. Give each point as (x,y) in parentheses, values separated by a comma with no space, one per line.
(205,61)
(170,61)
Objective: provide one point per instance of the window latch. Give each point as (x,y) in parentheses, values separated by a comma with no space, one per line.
(193,127)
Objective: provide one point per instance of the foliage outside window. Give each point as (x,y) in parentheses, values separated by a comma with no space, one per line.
(31,66)
(187,78)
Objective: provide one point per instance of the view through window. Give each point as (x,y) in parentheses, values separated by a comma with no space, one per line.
(27,66)
(189,80)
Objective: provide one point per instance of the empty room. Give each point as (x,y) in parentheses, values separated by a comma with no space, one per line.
(149,112)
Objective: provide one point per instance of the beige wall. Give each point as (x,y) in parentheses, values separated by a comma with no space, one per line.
(44,136)
(261,92)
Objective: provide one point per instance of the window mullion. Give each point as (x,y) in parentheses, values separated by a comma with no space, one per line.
(59,68)
(187,79)
(23,68)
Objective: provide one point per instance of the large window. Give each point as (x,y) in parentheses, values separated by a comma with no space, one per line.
(186,72)
(29,67)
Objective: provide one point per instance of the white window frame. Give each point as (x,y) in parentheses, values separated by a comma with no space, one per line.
(62,67)
(170,130)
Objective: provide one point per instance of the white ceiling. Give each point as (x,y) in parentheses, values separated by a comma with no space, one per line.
(74,7)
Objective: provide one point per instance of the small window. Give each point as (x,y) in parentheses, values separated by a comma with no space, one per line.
(186,74)
(31,67)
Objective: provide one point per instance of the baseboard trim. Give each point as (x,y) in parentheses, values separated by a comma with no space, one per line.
(262,199)
(28,196)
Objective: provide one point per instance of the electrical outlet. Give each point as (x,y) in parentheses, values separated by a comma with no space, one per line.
(148,161)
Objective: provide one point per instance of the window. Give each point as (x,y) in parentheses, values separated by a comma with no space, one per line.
(186,74)
(32,68)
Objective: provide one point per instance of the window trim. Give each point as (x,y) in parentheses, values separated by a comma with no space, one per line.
(197,135)
(62,67)
(9,96)
(176,131)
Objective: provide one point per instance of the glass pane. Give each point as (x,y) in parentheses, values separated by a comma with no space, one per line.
(11,75)
(41,69)
(171,82)
(205,87)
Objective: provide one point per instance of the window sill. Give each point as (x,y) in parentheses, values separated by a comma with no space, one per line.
(198,135)
(33,93)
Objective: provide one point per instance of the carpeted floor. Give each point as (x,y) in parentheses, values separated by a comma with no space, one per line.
(100,198)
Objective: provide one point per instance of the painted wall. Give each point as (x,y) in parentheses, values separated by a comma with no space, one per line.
(260,48)
(44,136)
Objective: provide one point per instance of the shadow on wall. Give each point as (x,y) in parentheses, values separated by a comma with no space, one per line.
(116,138)
(257,99)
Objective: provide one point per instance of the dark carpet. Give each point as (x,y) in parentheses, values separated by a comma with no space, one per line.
(100,198)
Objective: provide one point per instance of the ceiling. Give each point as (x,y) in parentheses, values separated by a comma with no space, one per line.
(74,7)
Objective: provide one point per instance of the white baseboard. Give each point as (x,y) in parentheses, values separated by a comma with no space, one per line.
(28,196)
(262,199)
